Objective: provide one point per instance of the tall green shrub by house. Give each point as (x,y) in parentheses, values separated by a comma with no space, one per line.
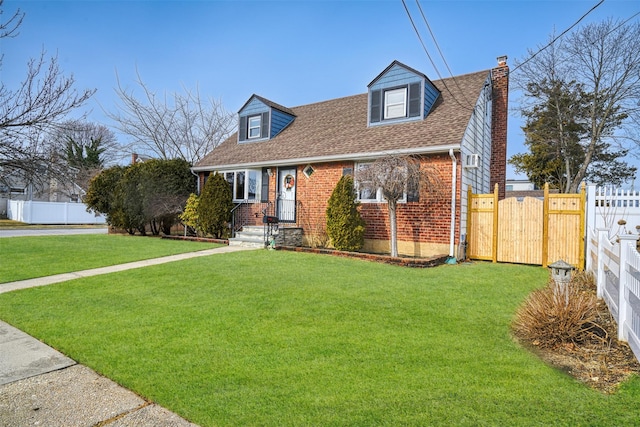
(214,209)
(345,226)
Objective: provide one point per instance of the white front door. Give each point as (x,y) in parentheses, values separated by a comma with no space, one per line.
(287,195)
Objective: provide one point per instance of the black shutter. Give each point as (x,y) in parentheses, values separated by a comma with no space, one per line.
(413,190)
(414,99)
(242,128)
(376,106)
(264,122)
(264,192)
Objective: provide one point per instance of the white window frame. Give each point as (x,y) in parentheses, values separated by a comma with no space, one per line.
(379,198)
(390,106)
(253,127)
(248,175)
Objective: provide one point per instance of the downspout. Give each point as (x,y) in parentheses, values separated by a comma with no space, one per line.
(197,180)
(454,177)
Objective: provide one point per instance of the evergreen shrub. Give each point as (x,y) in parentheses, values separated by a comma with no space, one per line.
(214,208)
(345,226)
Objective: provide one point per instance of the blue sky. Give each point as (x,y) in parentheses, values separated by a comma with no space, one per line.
(291,52)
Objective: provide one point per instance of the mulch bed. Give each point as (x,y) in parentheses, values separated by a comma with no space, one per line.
(386,259)
(600,365)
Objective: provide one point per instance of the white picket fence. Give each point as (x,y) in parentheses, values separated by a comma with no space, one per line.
(616,266)
(606,206)
(32,212)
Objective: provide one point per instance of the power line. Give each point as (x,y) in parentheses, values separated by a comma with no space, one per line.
(561,34)
(433,37)
(424,47)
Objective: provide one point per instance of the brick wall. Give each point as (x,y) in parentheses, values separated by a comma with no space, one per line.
(428,220)
(313,194)
(500,100)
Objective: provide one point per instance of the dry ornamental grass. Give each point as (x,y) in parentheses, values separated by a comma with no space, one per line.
(573,330)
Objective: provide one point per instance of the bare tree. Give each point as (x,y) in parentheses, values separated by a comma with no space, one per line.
(86,147)
(603,58)
(179,126)
(32,110)
(396,177)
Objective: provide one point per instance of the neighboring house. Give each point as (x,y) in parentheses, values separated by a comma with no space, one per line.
(287,161)
(521,188)
(15,188)
(519,185)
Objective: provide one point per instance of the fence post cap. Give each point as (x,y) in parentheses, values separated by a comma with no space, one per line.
(628,237)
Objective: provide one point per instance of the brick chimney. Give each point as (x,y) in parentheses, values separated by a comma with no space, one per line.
(500,105)
(134,158)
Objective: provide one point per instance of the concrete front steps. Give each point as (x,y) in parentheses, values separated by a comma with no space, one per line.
(251,236)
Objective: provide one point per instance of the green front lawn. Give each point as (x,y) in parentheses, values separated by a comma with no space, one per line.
(281,338)
(28,257)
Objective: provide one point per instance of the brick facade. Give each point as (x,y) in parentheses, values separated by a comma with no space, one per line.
(500,100)
(423,226)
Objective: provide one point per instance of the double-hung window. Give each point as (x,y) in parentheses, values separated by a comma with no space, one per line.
(395,103)
(367,192)
(253,127)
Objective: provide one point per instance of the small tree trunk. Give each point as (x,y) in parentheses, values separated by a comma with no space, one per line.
(394,227)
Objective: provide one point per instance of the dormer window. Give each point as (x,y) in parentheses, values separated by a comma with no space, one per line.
(395,103)
(260,119)
(400,94)
(254,127)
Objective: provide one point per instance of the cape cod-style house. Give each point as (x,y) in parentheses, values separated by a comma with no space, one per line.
(285,162)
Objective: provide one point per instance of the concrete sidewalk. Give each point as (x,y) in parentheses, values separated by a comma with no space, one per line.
(41,386)
(49,280)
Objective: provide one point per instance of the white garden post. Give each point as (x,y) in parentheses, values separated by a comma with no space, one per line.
(601,234)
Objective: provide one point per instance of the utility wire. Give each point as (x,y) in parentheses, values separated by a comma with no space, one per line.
(561,34)
(433,37)
(424,47)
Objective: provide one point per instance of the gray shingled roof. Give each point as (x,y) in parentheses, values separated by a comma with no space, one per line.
(337,130)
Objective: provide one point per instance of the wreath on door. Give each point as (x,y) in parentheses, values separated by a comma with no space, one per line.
(289,182)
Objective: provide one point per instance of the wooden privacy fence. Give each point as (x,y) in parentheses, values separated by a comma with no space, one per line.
(531,231)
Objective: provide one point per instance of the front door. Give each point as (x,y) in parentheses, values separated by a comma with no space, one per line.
(287,195)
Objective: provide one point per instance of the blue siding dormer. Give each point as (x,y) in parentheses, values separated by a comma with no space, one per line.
(279,121)
(260,119)
(400,94)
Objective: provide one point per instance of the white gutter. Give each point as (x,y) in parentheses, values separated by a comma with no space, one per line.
(334,158)
(454,177)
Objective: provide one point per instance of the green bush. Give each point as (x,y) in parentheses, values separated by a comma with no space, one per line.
(214,209)
(345,226)
(189,216)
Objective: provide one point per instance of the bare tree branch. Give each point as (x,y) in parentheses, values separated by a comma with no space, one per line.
(603,59)
(178,126)
(9,28)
